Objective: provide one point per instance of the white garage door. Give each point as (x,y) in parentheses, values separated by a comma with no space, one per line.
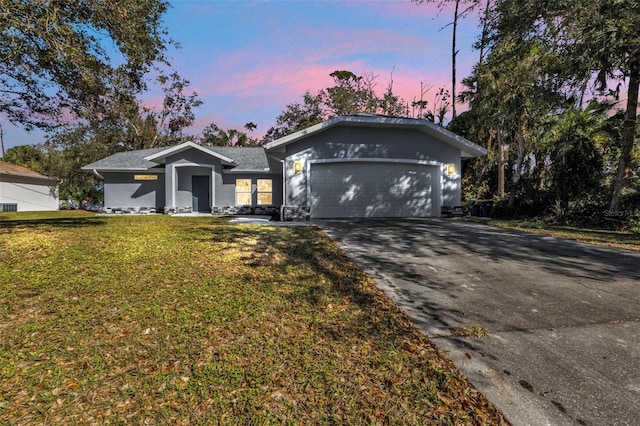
(373,189)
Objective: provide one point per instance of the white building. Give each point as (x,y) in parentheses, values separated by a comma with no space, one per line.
(22,189)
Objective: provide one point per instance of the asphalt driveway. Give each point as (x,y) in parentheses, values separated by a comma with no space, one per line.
(563,317)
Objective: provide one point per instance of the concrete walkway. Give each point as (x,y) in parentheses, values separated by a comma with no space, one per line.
(563,317)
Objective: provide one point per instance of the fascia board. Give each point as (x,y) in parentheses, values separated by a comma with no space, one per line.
(30,175)
(122,169)
(293,137)
(466,147)
(248,171)
(184,147)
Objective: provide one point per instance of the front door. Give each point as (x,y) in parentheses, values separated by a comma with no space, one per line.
(200,192)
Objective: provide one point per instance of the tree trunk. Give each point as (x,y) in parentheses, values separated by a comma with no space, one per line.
(630,122)
(453,61)
(1,142)
(500,167)
(485,166)
(485,31)
(521,136)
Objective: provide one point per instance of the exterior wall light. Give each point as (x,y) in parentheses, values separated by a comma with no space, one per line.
(451,169)
(297,166)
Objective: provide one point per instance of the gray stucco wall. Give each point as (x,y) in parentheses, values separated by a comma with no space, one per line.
(366,142)
(184,185)
(194,163)
(122,190)
(181,167)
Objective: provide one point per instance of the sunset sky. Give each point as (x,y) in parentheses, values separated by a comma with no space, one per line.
(248,59)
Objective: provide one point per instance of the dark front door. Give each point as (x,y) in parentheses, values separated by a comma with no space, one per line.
(200,193)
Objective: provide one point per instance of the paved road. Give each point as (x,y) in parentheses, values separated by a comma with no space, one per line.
(563,317)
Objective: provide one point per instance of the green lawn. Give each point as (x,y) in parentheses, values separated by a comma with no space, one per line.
(161,320)
(619,239)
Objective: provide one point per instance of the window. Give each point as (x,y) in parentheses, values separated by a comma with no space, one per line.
(243,192)
(265,191)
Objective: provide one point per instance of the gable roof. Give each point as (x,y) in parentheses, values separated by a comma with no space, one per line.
(246,158)
(467,148)
(127,160)
(242,158)
(12,169)
(161,156)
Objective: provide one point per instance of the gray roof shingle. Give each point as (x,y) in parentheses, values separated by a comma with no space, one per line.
(126,160)
(246,158)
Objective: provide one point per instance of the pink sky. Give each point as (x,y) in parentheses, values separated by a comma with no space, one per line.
(248,59)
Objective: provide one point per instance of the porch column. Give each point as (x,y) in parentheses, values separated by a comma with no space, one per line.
(212,200)
(172,184)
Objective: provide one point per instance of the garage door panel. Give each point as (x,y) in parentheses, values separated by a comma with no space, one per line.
(372,190)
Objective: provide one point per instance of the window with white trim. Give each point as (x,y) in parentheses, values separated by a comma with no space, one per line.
(243,192)
(265,191)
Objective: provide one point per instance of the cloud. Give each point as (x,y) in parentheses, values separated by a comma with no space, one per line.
(244,78)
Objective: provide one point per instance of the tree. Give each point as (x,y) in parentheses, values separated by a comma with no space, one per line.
(597,40)
(421,105)
(607,42)
(129,125)
(350,94)
(486,15)
(511,91)
(56,55)
(27,156)
(212,135)
(347,96)
(576,163)
(440,106)
(390,104)
(152,126)
(457,15)
(298,116)
(74,146)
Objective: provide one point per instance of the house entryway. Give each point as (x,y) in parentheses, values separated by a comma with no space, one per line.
(200,192)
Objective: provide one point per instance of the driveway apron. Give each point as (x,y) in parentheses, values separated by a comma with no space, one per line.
(562,317)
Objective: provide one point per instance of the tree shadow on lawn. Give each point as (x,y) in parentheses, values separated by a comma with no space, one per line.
(330,302)
(324,275)
(62,222)
(298,249)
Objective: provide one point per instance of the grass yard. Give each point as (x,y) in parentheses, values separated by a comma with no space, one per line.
(161,320)
(620,239)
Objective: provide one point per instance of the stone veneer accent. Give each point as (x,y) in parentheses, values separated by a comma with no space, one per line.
(295,213)
(292,213)
(248,210)
(176,210)
(131,210)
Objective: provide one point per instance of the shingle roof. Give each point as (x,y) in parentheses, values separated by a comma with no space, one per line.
(12,169)
(254,158)
(247,158)
(126,160)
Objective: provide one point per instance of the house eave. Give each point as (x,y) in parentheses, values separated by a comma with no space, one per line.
(248,171)
(159,157)
(123,169)
(467,148)
(30,176)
